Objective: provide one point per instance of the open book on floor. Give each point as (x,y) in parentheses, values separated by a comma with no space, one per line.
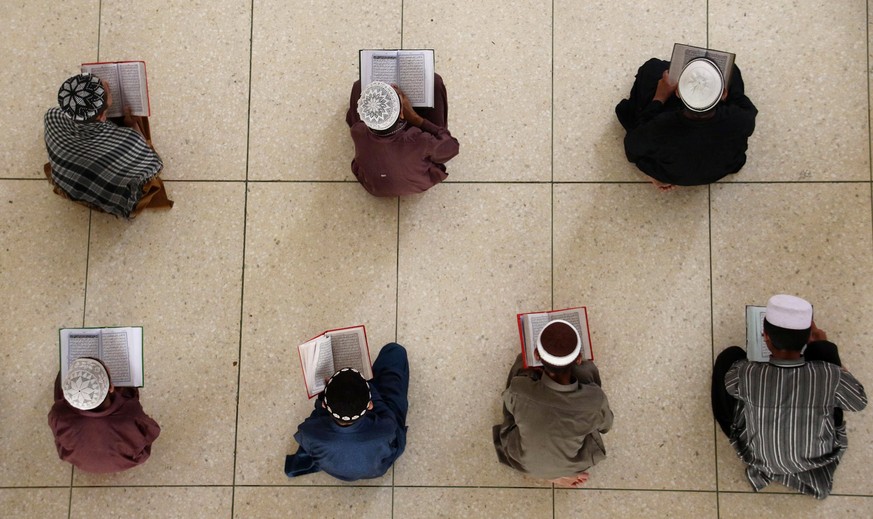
(756,350)
(119,348)
(409,69)
(531,324)
(682,54)
(127,83)
(325,354)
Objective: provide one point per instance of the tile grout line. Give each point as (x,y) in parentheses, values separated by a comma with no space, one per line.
(242,289)
(397,280)
(552,189)
(869,109)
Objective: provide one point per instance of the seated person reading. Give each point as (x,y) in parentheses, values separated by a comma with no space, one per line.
(358,428)
(553,416)
(696,139)
(95,161)
(399,150)
(98,427)
(784,417)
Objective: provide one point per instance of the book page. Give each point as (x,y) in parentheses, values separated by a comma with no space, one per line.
(383,67)
(536,323)
(83,345)
(133,83)
(115,356)
(109,73)
(412,77)
(324,363)
(756,350)
(348,351)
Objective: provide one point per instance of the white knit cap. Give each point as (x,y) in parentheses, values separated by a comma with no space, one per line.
(379,105)
(789,312)
(86,384)
(701,85)
(552,359)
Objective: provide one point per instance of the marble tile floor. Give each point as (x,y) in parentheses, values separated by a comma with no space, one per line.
(272,241)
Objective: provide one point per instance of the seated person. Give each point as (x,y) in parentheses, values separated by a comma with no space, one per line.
(784,417)
(358,428)
(399,150)
(553,416)
(98,427)
(696,139)
(94,161)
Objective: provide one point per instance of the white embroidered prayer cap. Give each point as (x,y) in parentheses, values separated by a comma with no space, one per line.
(789,312)
(701,85)
(554,360)
(86,384)
(379,105)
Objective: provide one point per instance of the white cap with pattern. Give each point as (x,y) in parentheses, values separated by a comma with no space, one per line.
(86,384)
(379,105)
(701,85)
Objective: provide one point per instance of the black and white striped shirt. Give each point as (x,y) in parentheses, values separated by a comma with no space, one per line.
(99,163)
(784,427)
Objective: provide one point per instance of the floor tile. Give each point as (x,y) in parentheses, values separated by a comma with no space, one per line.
(810,90)
(767,506)
(177,273)
(308,269)
(496,66)
(40,48)
(471,257)
(598,48)
(188,502)
(26,503)
(619,504)
(303,67)
(638,258)
(197,58)
(42,287)
(811,240)
(281,502)
(450,503)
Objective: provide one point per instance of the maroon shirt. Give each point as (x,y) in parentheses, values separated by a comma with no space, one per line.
(115,439)
(408,162)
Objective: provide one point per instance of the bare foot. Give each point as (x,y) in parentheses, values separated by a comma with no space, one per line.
(571,481)
(663,186)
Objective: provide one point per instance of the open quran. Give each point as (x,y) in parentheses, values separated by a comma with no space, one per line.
(411,70)
(682,54)
(127,83)
(532,323)
(327,353)
(118,348)
(756,350)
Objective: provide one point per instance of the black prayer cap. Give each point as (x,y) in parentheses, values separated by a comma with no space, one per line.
(81,97)
(347,395)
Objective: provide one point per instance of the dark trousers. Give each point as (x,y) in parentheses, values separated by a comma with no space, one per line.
(439,114)
(391,378)
(724,405)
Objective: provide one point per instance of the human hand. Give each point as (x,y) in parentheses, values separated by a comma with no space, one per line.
(665,89)
(406,110)
(817,334)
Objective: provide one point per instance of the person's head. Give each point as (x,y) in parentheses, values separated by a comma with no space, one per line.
(84,98)
(347,396)
(559,347)
(701,86)
(379,107)
(787,323)
(87,385)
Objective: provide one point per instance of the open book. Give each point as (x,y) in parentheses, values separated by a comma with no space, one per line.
(411,70)
(756,350)
(682,54)
(128,84)
(531,324)
(324,355)
(120,350)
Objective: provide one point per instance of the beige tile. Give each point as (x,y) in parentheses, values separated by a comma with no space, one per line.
(187,502)
(177,273)
(809,86)
(450,503)
(471,257)
(42,288)
(309,268)
(812,240)
(326,502)
(598,48)
(766,506)
(197,57)
(304,61)
(638,258)
(26,503)
(619,504)
(41,47)
(497,69)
